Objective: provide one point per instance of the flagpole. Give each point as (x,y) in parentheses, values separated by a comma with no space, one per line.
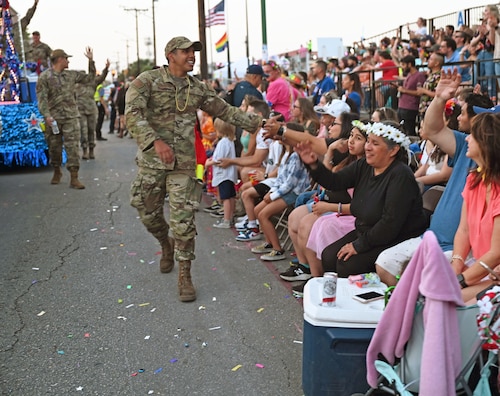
(247,38)
(228,61)
(226,20)
(265,52)
(211,44)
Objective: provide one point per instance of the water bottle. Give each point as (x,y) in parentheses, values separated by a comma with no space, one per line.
(55,128)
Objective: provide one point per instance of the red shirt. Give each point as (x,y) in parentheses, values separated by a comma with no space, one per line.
(390,70)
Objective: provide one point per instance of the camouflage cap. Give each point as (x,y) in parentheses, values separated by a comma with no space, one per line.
(59,53)
(182,43)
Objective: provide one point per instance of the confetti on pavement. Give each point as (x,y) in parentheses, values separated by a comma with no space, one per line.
(237,367)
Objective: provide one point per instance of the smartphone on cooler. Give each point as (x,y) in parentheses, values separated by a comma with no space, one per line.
(368,297)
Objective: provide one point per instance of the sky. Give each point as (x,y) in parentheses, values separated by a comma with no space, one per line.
(111,30)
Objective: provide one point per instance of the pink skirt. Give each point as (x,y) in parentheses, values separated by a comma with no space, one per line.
(328,229)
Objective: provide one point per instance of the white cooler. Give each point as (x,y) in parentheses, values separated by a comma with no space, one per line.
(336,339)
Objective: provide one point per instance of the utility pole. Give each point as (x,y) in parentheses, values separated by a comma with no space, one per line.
(203,39)
(154,34)
(137,10)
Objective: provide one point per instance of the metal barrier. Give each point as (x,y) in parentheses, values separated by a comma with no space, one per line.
(384,93)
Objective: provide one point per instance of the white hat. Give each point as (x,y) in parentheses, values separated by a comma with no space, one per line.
(335,108)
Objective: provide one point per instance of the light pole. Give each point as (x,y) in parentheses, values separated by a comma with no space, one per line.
(136,10)
(154,34)
(127,52)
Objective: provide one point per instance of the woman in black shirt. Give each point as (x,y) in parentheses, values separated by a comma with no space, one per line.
(387,202)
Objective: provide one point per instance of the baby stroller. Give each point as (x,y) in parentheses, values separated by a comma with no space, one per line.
(427,342)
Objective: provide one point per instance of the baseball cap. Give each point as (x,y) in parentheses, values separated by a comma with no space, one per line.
(256,69)
(479,110)
(181,42)
(59,53)
(335,108)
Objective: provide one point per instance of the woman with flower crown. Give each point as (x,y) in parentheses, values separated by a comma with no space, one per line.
(387,202)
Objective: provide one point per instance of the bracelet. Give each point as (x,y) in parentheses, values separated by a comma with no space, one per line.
(339,210)
(266,175)
(458,257)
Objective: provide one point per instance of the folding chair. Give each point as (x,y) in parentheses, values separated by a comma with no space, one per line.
(281,227)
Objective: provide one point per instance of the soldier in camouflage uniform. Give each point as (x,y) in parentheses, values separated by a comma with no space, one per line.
(55,90)
(160,111)
(88,112)
(39,52)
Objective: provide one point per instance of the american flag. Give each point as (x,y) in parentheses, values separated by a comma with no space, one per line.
(216,15)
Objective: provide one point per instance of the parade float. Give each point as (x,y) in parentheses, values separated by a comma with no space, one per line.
(22,142)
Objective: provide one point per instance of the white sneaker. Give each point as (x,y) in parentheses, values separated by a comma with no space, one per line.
(241,226)
(223,224)
(250,235)
(242,218)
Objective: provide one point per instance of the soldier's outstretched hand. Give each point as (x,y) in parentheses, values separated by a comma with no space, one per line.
(89,53)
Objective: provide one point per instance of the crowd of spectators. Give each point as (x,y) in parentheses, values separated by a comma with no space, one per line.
(349,149)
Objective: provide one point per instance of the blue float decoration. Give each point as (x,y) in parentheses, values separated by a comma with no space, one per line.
(22,142)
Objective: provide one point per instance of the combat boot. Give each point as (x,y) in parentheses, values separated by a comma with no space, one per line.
(74,182)
(167,255)
(85,154)
(56,179)
(186,289)
(91,153)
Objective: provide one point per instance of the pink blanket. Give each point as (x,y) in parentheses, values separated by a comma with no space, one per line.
(430,274)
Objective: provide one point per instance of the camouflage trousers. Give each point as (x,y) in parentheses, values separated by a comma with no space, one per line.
(69,136)
(87,130)
(148,196)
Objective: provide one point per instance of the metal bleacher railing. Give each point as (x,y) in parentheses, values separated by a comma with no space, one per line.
(469,16)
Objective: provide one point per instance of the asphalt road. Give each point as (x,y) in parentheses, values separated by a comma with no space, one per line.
(85,310)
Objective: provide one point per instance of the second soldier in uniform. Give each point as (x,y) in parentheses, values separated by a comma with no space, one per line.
(55,91)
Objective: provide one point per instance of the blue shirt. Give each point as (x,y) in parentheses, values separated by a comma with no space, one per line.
(446,217)
(242,89)
(321,88)
(464,71)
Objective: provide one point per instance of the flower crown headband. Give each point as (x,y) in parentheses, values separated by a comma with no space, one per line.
(361,126)
(389,132)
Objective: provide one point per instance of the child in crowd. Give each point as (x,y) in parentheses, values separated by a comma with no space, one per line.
(292,179)
(224,178)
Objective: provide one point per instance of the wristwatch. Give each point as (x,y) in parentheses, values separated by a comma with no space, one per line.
(462,282)
(281,130)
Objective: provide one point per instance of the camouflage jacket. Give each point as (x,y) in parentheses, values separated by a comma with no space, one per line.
(39,53)
(161,106)
(85,94)
(56,91)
